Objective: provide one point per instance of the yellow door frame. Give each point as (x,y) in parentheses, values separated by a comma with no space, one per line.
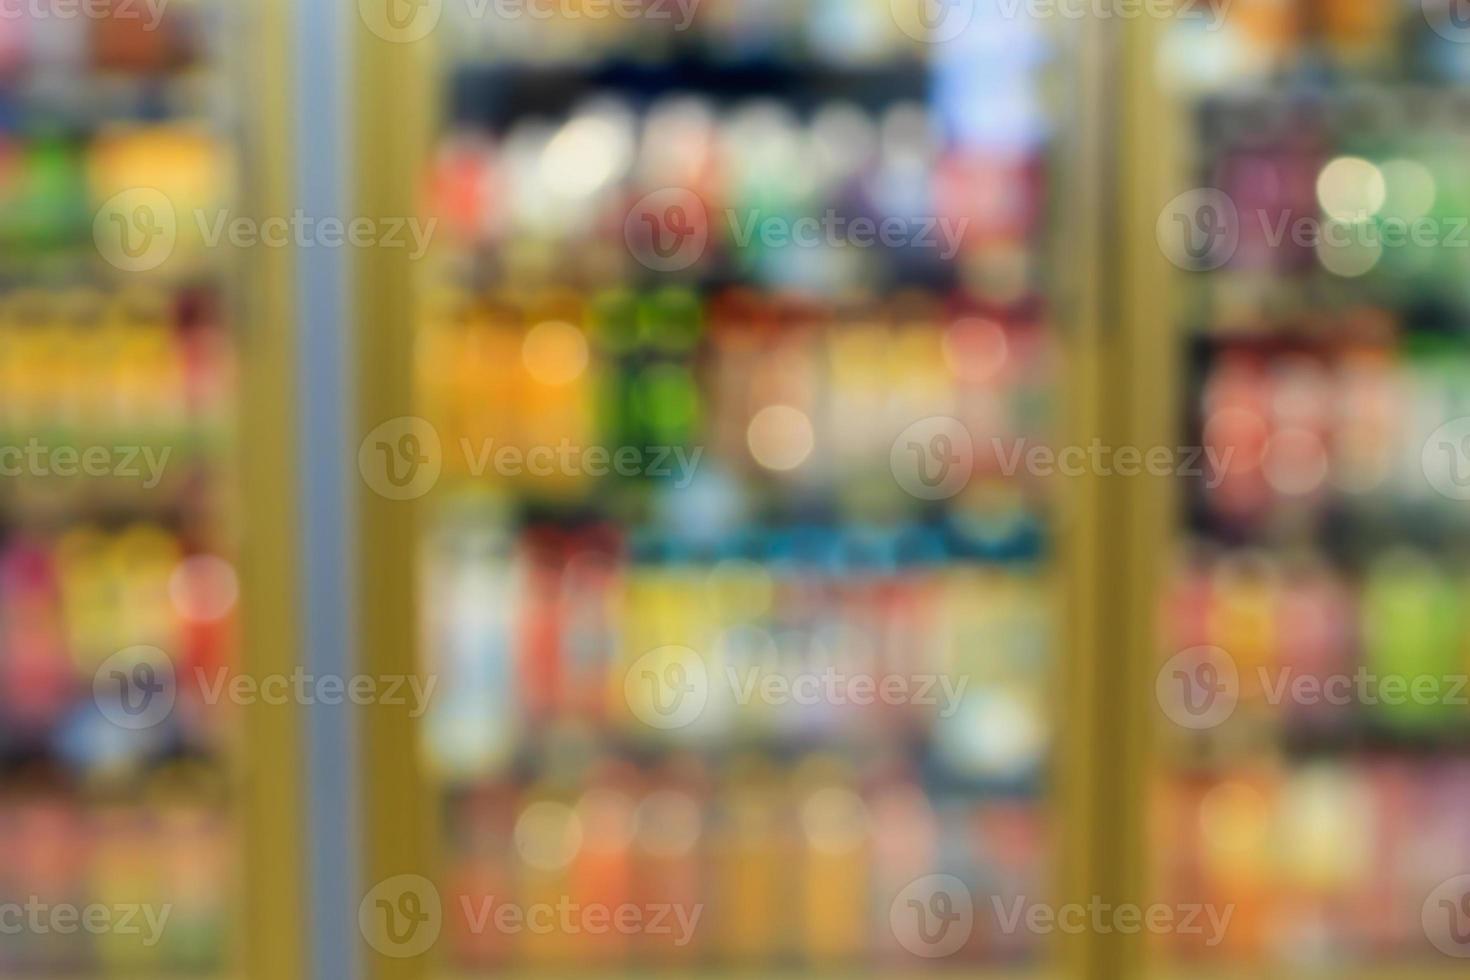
(393,112)
(1142,410)
(1121,375)
(271,938)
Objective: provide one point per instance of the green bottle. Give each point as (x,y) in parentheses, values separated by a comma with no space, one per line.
(1412,634)
(671,321)
(612,326)
(666,392)
(48,209)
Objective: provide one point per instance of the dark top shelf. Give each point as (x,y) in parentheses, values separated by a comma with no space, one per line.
(496,96)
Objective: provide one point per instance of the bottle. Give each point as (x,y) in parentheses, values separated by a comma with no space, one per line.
(904,849)
(1318,643)
(836,863)
(194,854)
(1244,620)
(38,681)
(479,884)
(1413,637)
(670,848)
(752,866)
(602,875)
(548,838)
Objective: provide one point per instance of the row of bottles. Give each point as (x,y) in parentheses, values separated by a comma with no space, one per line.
(748,864)
(128,37)
(83,366)
(753,190)
(884,406)
(71,604)
(123,194)
(1248,43)
(1308,648)
(113,888)
(803,636)
(1331,863)
(1312,433)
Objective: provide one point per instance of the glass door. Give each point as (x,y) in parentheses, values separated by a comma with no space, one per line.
(1314,776)
(736,586)
(120,133)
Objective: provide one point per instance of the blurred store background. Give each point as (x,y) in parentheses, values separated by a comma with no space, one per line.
(596,184)
(740,593)
(117,523)
(1329,362)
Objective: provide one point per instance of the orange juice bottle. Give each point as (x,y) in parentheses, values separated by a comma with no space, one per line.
(836,864)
